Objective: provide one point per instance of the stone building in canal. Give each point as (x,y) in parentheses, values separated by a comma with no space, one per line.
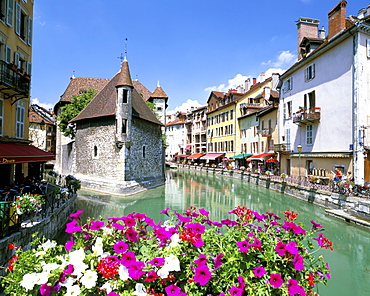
(118,145)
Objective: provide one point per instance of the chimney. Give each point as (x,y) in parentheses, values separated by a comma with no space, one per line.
(275,80)
(322,32)
(254,81)
(306,28)
(337,19)
(247,84)
(362,13)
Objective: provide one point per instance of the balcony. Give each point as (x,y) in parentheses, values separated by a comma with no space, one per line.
(12,81)
(306,116)
(267,132)
(282,147)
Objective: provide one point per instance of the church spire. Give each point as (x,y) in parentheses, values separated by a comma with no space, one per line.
(124,77)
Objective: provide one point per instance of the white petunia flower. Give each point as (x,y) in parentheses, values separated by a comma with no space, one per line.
(123,273)
(48,244)
(173,263)
(175,238)
(47,267)
(98,247)
(139,290)
(107,230)
(68,282)
(42,278)
(79,268)
(76,256)
(89,279)
(163,272)
(40,254)
(29,280)
(107,287)
(73,290)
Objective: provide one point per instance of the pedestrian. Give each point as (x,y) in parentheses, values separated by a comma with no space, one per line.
(338,174)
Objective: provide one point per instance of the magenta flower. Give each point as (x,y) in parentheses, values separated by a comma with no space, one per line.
(294,288)
(243,246)
(69,244)
(204,212)
(276,280)
(196,227)
(259,271)
(165,212)
(96,225)
(217,260)
(328,273)
(291,226)
(234,291)
(298,262)
(202,275)
(112,294)
(257,244)
(129,222)
(157,261)
(174,290)
(45,289)
(183,219)
(280,248)
(291,248)
(316,225)
(72,227)
(202,260)
(76,215)
(229,222)
(119,226)
(136,270)
(128,259)
(120,247)
(132,235)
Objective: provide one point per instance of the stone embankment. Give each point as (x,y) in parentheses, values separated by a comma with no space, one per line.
(352,209)
(47,227)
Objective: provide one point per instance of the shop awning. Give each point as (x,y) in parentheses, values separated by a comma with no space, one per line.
(195,155)
(260,157)
(182,155)
(212,155)
(20,153)
(241,156)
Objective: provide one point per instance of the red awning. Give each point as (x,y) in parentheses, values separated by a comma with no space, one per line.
(184,155)
(19,153)
(260,157)
(212,155)
(195,155)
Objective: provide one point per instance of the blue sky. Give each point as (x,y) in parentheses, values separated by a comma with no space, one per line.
(189,46)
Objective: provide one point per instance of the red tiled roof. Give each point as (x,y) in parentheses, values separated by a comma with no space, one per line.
(78,85)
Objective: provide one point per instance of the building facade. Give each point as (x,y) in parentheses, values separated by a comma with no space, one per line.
(175,135)
(325,99)
(118,143)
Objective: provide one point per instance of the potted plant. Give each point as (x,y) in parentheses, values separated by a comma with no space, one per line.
(28,204)
(283,175)
(188,254)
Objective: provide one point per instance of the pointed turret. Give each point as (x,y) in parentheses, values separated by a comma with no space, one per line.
(124,78)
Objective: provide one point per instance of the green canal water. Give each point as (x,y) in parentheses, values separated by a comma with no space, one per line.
(349,262)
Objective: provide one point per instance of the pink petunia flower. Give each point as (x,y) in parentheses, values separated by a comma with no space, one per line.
(157,261)
(72,227)
(128,259)
(76,215)
(243,246)
(96,225)
(120,247)
(276,280)
(202,275)
(259,271)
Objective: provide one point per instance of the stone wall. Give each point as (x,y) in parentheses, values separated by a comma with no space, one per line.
(357,207)
(48,227)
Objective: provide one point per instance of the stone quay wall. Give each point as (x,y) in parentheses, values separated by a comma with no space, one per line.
(351,205)
(47,227)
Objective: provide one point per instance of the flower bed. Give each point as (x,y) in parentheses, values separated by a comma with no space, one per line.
(188,254)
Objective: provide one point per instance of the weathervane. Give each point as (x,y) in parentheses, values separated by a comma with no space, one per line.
(124,57)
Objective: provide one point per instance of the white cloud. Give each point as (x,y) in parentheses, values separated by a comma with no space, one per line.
(285,58)
(185,106)
(233,83)
(47,106)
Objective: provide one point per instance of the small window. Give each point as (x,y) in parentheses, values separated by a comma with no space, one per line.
(289,109)
(124,96)
(124,126)
(309,134)
(310,72)
(231,114)
(288,84)
(20,119)
(1,116)
(95,151)
(144,151)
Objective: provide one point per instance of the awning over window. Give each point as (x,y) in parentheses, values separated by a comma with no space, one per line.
(260,157)
(19,153)
(195,155)
(183,155)
(212,155)
(241,156)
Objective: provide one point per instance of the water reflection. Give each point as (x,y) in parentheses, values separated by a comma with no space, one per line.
(350,262)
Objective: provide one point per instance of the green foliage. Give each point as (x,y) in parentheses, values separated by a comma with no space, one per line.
(71,110)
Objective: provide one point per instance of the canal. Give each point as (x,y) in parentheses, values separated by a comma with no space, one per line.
(349,262)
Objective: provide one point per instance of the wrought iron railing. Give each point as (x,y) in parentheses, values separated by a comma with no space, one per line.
(14,80)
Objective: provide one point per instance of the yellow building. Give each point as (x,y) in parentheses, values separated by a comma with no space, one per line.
(15,78)
(221,124)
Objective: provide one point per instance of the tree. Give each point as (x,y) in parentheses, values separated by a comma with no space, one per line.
(71,110)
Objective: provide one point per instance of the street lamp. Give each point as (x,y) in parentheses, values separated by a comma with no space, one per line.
(299,148)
